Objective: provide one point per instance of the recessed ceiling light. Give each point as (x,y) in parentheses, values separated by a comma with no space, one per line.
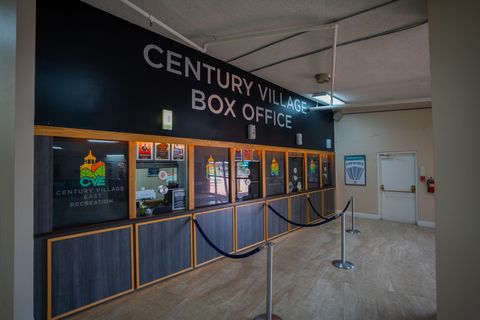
(325,98)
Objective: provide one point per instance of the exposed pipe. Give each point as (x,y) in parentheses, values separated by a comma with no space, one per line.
(165,26)
(373,104)
(334,60)
(383,33)
(263,33)
(300,33)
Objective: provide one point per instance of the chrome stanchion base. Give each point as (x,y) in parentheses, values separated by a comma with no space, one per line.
(341,265)
(264,317)
(353,231)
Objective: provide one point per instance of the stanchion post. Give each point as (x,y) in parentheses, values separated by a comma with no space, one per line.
(269,310)
(353,230)
(343,263)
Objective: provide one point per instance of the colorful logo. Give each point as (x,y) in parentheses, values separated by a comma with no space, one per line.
(312,167)
(92,172)
(210,167)
(274,168)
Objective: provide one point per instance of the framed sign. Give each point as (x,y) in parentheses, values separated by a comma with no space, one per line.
(178,152)
(162,151)
(178,199)
(355,167)
(144,151)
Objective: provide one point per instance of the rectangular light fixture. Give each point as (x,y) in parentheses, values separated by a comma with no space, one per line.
(325,98)
(101,141)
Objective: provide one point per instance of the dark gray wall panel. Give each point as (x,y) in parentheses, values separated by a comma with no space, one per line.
(316,199)
(43,184)
(275,224)
(218,226)
(163,248)
(250,224)
(329,205)
(299,209)
(40,278)
(90,268)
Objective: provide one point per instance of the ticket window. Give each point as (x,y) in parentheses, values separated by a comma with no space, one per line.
(247,174)
(211,176)
(328,170)
(313,171)
(161,178)
(275,173)
(295,172)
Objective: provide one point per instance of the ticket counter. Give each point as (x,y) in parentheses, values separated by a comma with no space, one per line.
(126,159)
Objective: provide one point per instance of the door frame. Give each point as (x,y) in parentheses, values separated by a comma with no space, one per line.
(379,179)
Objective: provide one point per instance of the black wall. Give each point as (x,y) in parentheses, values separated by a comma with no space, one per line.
(91,73)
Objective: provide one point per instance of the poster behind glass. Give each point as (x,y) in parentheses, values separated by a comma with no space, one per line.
(313,172)
(90,181)
(247,174)
(211,179)
(275,172)
(295,172)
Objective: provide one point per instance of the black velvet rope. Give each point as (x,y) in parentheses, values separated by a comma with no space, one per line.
(220,251)
(308,225)
(314,210)
(300,224)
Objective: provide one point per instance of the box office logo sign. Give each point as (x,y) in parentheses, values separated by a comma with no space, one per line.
(92,172)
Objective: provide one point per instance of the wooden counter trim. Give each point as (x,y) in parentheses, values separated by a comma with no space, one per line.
(305,172)
(49,271)
(287,191)
(236,224)
(232,174)
(191,176)
(124,136)
(263,174)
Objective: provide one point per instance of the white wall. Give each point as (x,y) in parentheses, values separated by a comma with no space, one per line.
(455,67)
(17,48)
(375,132)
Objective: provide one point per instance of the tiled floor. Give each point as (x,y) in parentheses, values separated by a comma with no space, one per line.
(394,278)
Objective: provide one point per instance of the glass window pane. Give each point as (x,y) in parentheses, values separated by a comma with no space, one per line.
(275,173)
(90,181)
(295,172)
(313,171)
(161,182)
(212,183)
(247,174)
(328,171)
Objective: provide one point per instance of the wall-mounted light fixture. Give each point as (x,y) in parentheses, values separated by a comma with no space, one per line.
(299,139)
(251,132)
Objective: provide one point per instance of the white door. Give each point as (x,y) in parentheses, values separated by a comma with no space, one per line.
(398,193)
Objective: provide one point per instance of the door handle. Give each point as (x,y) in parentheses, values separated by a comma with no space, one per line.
(413,189)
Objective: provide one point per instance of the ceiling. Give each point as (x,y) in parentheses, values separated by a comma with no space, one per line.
(382,53)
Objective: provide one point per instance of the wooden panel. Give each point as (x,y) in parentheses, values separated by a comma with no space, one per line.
(132,179)
(40,281)
(191,176)
(218,225)
(231,170)
(89,268)
(329,202)
(263,176)
(277,226)
(316,199)
(250,228)
(123,136)
(298,208)
(43,185)
(164,249)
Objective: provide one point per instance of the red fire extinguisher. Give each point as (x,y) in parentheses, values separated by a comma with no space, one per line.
(431,185)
